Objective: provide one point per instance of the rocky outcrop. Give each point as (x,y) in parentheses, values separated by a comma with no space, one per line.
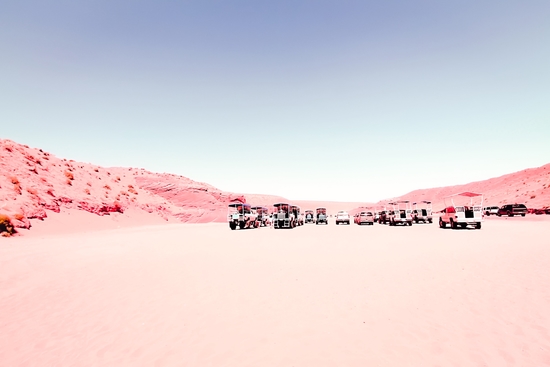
(33,182)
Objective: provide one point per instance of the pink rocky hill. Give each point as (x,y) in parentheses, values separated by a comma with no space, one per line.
(530,187)
(33,182)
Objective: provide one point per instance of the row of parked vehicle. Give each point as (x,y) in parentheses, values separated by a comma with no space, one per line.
(285,215)
(461,210)
(508,209)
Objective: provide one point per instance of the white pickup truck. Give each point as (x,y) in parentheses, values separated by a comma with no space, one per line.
(342,217)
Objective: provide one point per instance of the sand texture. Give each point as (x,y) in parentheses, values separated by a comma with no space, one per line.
(202,295)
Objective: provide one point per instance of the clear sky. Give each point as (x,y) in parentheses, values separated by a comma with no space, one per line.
(329,100)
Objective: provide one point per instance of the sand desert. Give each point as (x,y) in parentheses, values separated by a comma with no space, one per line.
(138,136)
(148,273)
(202,295)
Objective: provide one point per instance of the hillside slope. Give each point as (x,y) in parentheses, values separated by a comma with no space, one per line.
(33,181)
(530,187)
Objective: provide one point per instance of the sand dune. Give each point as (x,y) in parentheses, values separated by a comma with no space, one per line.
(202,295)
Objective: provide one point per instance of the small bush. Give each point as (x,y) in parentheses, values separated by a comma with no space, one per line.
(69,175)
(107,187)
(18,216)
(533,196)
(16,184)
(87,191)
(6,227)
(132,190)
(32,191)
(69,182)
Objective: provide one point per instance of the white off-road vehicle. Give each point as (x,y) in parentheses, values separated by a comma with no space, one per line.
(342,217)
(299,217)
(321,216)
(262,215)
(401,213)
(490,210)
(242,216)
(462,210)
(283,217)
(309,217)
(422,212)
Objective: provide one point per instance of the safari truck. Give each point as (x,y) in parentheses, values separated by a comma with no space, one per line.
(422,212)
(283,217)
(401,213)
(321,216)
(462,210)
(241,215)
(298,217)
(262,215)
(309,217)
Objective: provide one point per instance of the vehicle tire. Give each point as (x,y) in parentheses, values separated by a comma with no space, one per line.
(232,225)
(463,225)
(487,213)
(442,224)
(478,225)
(411,223)
(523,215)
(429,221)
(498,214)
(510,214)
(242,225)
(453,224)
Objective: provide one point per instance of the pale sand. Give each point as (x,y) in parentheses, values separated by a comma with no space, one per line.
(202,295)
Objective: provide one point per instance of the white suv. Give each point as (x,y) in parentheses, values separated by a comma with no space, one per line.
(342,217)
(490,210)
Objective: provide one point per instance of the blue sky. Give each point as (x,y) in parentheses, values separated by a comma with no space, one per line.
(328,100)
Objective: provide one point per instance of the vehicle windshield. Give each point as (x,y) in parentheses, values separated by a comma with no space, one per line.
(282,208)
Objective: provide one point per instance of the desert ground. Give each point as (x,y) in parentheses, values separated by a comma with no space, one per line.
(203,295)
